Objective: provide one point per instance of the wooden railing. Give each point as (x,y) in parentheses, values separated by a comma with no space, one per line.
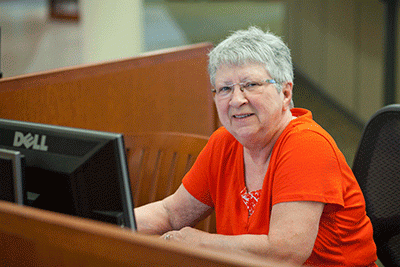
(166,90)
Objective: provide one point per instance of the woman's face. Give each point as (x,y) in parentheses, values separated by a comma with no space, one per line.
(254,117)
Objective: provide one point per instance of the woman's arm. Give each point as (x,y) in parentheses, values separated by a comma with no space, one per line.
(172,213)
(293,230)
(293,227)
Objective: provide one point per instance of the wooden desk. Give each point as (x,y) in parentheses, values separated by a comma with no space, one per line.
(33,237)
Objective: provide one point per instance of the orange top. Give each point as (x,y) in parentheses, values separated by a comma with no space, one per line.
(305,165)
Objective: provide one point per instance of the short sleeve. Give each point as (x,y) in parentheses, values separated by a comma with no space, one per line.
(196,180)
(308,169)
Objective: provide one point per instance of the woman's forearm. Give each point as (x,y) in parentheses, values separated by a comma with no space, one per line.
(254,245)
(152,219)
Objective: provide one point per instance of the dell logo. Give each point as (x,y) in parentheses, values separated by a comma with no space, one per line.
(30,140)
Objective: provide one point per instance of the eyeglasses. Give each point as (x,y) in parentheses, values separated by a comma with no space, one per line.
(248,86)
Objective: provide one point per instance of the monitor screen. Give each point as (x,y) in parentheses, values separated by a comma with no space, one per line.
(73,171)
(12,176)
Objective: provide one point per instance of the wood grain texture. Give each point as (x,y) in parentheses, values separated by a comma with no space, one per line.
(166,90)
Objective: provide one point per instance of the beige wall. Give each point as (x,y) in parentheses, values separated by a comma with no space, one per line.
(339,46)
(110,29)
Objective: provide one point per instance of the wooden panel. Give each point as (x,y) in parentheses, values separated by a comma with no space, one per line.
(64,9)
(158,161)
(32,237)
(341,52)
(370,96)
(339,47)
(312,40)
(167,90)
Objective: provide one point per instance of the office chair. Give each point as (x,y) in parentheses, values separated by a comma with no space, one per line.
(377,168)
(157,163)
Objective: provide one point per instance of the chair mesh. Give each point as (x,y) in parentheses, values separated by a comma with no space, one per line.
(383,178)
(377,169)
(394,248)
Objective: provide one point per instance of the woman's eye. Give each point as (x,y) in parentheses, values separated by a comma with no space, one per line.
(250,84)
(225,89)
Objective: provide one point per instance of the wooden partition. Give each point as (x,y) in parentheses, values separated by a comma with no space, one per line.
(166,90)
(32,237)
(162,91)
(158,161)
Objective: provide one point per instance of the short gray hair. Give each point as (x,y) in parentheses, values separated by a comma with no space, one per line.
(253,46)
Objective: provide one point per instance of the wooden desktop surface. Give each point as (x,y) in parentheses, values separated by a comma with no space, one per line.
(33,237)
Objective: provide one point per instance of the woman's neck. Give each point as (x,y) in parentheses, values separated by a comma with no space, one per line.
(255,169)
(256,159)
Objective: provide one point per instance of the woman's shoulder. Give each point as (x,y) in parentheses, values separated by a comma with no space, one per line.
(304,124)
(221,137)
(222,133)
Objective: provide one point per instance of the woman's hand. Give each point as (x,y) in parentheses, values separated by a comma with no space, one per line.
(293,230)
(174,212)
(187,235)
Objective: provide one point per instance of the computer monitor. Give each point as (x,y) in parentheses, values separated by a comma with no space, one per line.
(12,176)
(73,171)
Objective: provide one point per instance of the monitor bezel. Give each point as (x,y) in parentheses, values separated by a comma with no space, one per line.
(15,157)
(87,134)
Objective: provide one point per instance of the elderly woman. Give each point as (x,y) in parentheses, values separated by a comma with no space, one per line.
(278,183)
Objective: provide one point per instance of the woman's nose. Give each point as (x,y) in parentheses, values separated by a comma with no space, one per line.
(238,96)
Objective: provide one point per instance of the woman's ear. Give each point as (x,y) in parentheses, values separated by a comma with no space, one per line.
(287,90)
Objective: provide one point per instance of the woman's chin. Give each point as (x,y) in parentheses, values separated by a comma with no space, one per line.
(245,135)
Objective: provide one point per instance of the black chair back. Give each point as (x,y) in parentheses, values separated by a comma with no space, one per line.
(377,169)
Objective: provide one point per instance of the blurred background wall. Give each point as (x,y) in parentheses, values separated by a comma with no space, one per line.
(338,46)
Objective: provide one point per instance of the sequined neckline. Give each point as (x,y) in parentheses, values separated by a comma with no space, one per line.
(250,199)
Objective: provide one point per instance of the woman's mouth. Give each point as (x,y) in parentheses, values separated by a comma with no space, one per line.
(241,116)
